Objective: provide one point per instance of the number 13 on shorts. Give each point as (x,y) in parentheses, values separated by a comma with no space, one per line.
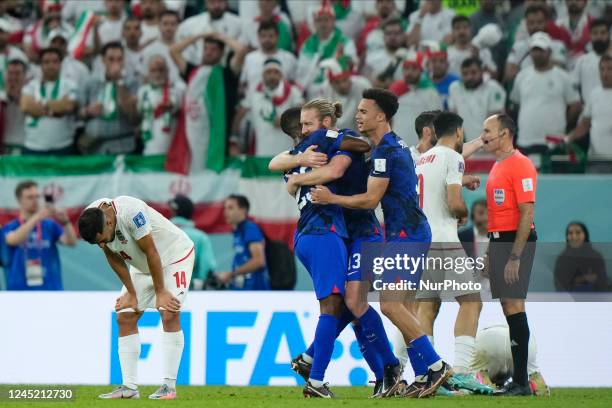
(180,279)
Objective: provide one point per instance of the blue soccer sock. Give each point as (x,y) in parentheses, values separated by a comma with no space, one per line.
(426,351)
(345,318)
(374,331)
(369,353)
(323,345)
(417,363)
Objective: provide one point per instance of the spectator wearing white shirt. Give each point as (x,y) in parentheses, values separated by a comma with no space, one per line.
(269,11)
(597,116)
(536,20)
(371,38)
(344,87)
(168,24)
(265,104)
(217,19)
(7,53)
(586,71)
(49,105)
(159,101)
(431,22)
(151,10)
(267,34)
(475,98)
(72,68)
(14,119)
(415,95)
(384,66)
(109,27)
(326,42)
(547,98)
(462,48)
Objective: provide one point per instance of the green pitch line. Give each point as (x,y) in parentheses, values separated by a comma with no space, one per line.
(348,397)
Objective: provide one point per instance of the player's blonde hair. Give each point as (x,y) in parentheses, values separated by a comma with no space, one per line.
(325,107)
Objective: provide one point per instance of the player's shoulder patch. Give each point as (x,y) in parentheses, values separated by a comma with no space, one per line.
(139,220)
(331,134)
(461,167)
(527,184)
(380,165)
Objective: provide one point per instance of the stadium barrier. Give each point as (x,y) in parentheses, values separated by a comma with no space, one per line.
(249,338)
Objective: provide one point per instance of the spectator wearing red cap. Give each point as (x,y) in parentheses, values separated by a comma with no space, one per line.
(437,63)
(416,94)
(326,42)
(383,66)
(345,87)
(272,96)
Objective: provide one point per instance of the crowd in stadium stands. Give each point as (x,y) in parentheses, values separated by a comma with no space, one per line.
(154,77)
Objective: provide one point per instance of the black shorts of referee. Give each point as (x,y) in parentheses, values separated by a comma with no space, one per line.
(500,248)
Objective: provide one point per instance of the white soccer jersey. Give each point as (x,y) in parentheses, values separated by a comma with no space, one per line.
(436,169)
(135,219)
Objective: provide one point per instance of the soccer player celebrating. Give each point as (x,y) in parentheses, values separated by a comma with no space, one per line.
(511,188)
(392,182)
(440,172)
(160,258)
(362,226)
(320,232)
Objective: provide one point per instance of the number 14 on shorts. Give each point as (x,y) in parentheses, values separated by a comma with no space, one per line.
(180,279)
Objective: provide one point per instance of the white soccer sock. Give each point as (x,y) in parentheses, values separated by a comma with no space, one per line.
(465,348)
(129,353)
(307,358)
(431,340)
(315,383)
(172,349)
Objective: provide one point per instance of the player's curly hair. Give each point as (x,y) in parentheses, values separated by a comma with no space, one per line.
(325,108)
(91,222)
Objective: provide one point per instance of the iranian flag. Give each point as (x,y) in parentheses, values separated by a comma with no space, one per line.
(77,181)
(84,25)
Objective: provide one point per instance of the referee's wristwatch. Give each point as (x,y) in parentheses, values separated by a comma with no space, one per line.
(514,257)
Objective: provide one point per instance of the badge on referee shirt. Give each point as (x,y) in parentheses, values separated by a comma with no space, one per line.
(499,195)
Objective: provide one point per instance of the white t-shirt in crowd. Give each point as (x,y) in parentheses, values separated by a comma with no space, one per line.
(598,109)
(162,49)
(378,61)
(585,74)
(46,132)
(269,139)
(349,102)
(434,26)
(149,32)
(411,104)
(436,169)
(543,97)
(252,69)
(475,105)
(519,55)
(456,57)
(108,30)
(135,220)
(229,24)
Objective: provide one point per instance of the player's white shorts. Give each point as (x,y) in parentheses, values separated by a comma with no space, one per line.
(493,352)
(177,277)
(462,277)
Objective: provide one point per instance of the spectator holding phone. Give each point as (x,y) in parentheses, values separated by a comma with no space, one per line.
(32,258)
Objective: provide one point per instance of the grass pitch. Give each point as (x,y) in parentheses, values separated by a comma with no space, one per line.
(348,397)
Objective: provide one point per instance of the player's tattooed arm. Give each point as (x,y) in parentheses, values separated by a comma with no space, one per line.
(472,147)
(286,161)
(354,145)
(322,175)
(164,298)
(366,201)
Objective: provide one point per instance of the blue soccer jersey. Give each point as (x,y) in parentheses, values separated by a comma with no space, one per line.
(319,219)
(391,159)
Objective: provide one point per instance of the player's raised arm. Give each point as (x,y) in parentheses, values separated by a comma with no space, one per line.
(472,147)
(366,201)
(286,161)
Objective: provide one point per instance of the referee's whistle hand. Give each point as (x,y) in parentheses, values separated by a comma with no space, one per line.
(511,272)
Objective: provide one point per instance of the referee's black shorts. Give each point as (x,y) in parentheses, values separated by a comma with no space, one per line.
(500,248)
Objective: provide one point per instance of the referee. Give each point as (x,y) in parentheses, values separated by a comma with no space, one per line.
(511,188)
